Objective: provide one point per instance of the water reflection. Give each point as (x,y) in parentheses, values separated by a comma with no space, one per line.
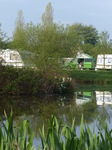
(92,104)
(103,98)
(83,97)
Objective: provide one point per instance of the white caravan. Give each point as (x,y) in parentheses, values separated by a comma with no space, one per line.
(11,58)
(104,61)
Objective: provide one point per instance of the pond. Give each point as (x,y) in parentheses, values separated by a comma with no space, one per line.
(95,103)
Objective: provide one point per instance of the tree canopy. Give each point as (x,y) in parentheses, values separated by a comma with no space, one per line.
(47,16)
(3,39)
(50,41)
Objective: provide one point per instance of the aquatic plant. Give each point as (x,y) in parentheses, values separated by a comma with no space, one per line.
(60,136)
(15,138)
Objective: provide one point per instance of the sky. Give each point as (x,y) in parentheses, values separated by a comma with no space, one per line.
(97,13)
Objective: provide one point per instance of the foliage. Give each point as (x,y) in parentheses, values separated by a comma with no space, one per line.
(25,81)
(91,77)
(59,136)
(47,16)
(74,38)
(19,81)
(19,35)
(90,35)
(81,35)
(15,138)
(3,39)
(63,137)
(51,42)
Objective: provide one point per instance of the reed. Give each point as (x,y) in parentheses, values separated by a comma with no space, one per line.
(58,136)
(15,138)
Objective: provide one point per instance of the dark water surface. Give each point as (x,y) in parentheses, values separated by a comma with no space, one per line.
(94,103)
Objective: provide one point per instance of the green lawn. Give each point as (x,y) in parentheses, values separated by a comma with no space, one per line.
(102,77)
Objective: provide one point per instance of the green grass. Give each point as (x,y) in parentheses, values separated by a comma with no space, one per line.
(58,136)
(24,81)
(89,76)
(15,138)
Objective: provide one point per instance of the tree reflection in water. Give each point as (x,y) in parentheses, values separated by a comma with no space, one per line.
(39,110)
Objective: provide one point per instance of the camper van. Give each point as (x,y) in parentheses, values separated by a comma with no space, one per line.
(82,61)
(104,61)
(11,58)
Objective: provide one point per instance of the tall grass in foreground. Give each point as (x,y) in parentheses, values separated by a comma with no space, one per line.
(59,136)
(14,138)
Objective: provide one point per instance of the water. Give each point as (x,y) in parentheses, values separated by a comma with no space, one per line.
(93,102)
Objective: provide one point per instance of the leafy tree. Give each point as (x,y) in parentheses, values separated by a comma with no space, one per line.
(31,36)
(110,46)
(19,35)
(51,47)
(74,38)
(3,39)
(50,44)
(47,16)
(104,42)
(81,37)
(90,35)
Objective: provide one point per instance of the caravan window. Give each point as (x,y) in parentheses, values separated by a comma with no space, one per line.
(100,60)
(13,57)
(88,60)
(109,60)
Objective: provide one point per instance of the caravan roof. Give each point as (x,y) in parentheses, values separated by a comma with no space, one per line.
(83,55)
(104,55)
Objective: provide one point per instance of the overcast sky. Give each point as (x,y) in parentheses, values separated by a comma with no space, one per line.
(88,12)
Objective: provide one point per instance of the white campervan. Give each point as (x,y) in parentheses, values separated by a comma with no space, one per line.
(104,61)
(11,58)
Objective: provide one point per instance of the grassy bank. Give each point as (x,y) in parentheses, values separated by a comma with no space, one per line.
(58,136)
(88,76)
(24,81)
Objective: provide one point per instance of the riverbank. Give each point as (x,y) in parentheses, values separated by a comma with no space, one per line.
(91,77)
(22,81)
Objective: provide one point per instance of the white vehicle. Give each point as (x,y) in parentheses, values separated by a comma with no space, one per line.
(104,61)
(11,58)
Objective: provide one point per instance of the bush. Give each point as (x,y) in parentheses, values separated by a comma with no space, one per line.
(27,82)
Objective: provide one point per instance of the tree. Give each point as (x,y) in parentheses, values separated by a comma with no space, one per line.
(3,39)
(104,37)
(47,17)
(74,38)
(90,35)
(81,37)
(104,40)
(51,46)
(18,35)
